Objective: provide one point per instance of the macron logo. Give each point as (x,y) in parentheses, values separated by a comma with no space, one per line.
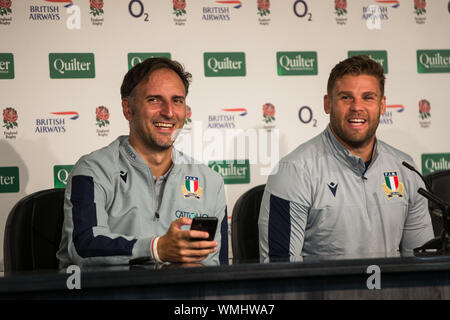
(123,176)
(333,188)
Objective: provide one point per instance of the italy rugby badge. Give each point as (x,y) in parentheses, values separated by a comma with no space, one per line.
(392,187)
(191,188)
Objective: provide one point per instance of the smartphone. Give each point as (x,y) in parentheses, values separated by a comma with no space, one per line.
(208,224)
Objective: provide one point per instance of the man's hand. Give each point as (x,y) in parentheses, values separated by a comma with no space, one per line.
(178,245)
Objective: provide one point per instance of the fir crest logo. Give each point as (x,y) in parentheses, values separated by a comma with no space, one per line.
(391,186)
(10,118)
(191,187)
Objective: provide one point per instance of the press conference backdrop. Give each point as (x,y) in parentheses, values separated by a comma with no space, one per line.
(259,75)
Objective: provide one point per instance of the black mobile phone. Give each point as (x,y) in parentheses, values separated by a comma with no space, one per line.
(208,224)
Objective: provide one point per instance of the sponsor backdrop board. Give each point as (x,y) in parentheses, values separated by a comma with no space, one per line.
(259,75)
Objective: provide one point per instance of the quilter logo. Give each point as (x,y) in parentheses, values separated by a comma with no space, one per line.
(6,66)
(432,162)
(433,61)
(134,57)
(232,171)
(224,64)
(295,63)
(71,65)
(379,56)
(9,179)
(61,174)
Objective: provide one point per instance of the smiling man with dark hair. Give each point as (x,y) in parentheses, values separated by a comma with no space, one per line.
(122,201)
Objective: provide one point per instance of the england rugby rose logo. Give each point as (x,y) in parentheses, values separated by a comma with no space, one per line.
(263,7)
(424,109)
(179,7)
(340,7)
(268,113)
(102,116)
(10,118)
(188,119)
(419,7)
(96,7)
(5,7)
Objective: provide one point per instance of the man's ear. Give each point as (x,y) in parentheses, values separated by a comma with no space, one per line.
(383,105)
(126,109)
(327,104)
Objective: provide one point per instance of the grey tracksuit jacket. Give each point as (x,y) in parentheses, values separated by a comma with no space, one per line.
(110,209)
(323,201)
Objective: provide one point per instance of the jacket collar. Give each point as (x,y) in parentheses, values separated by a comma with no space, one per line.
(342,154)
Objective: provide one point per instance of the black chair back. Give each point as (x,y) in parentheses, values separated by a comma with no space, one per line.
(33,232)
(244,225)
(440,186)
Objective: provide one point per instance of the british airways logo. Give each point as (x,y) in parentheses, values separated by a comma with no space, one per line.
(55,125)
(241,111)
(236,4)
(74,115)
(397,107)
(395,3)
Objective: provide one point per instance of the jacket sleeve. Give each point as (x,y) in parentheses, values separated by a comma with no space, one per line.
(283,214)
(89,238)
(417,228)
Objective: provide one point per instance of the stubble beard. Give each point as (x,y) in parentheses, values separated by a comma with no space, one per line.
(349,139)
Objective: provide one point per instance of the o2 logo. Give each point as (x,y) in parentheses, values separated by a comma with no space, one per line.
(305,116)
(301,9)
(136,9)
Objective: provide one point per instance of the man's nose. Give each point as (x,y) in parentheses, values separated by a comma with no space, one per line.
(167,109)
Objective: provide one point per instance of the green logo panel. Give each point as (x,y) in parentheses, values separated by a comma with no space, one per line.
(379,56)
(6,66)
(9,179)
(432,162)
(71,65)
(60,175)
(224,64)
(232,171)
(134,58)
(297,63)
(433,61)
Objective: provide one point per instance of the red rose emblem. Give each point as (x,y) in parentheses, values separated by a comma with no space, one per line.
(97,4)
(420,4)
(424,106)
(268,110)
(179,4)
(10,115)
(264,4)
(102,113)
(5,4)
(340,4)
